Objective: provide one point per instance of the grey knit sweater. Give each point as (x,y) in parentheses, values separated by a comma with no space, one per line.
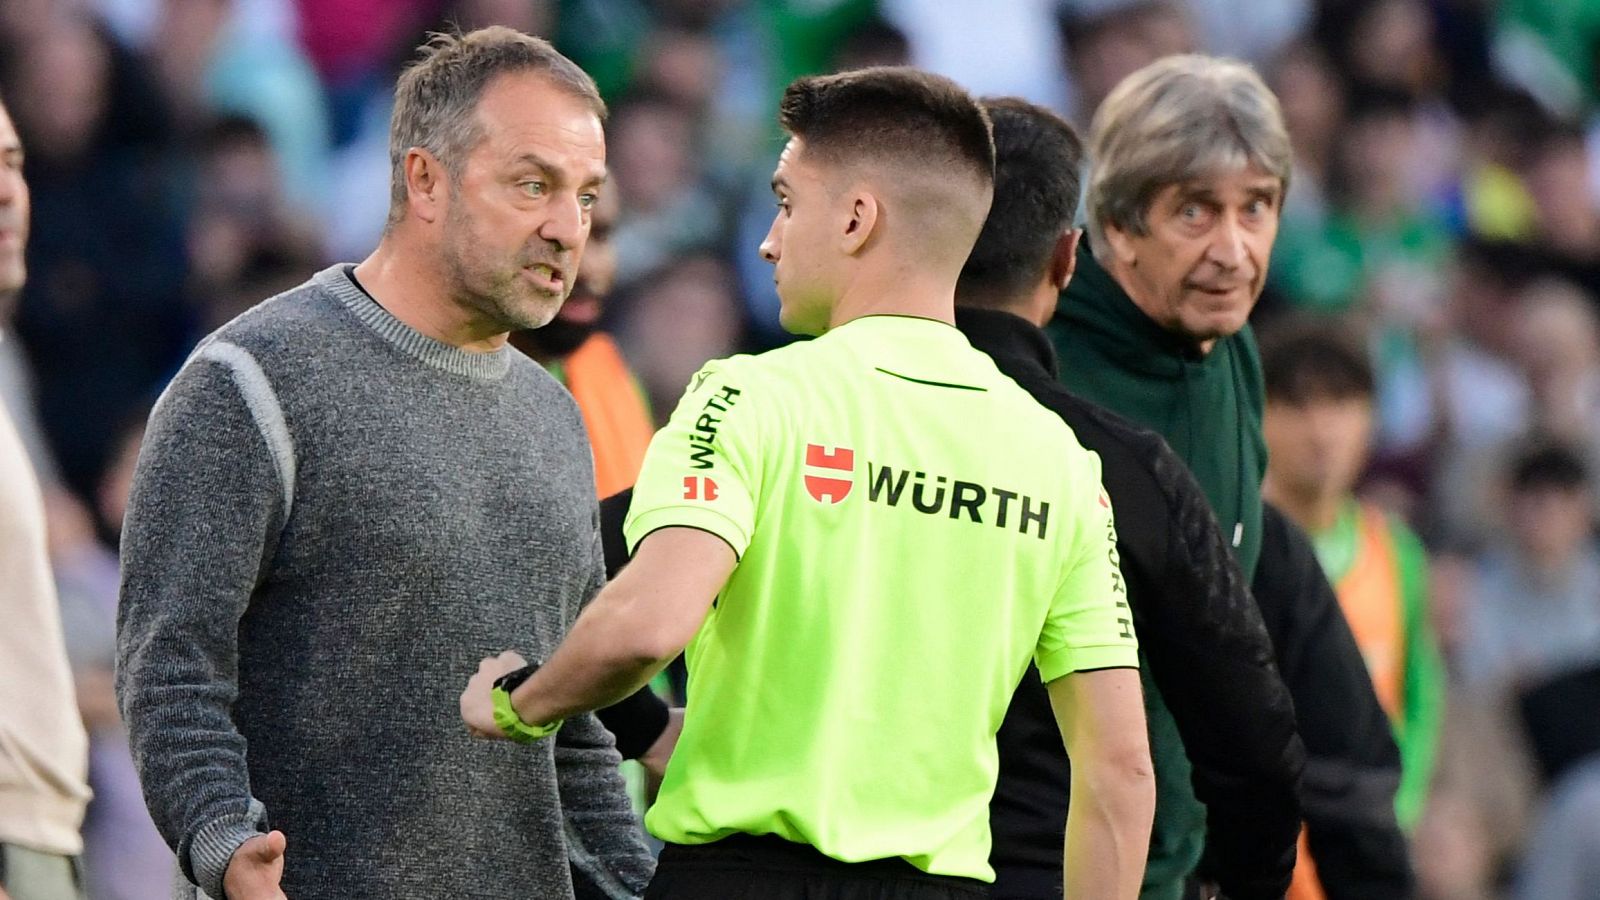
(333,519)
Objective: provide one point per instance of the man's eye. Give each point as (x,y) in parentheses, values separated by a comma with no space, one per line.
(588,201)
(533,188)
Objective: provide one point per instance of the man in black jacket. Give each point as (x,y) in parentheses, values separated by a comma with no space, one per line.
(1199,630)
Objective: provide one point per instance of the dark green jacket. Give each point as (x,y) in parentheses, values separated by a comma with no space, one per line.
(1208,407)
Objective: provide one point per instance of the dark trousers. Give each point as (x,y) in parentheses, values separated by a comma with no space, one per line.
(1026,883)
(747,867)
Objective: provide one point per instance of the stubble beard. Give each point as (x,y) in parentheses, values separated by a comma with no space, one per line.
(498,295)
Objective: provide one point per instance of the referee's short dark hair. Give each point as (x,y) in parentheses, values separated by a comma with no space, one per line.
(1038,182)
(891,115)
(1303,362)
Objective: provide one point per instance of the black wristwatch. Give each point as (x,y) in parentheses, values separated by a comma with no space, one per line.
(513,679)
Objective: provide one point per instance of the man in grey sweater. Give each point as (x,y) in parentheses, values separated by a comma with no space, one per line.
(352,492)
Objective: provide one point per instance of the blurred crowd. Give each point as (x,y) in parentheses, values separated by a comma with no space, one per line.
(189,158)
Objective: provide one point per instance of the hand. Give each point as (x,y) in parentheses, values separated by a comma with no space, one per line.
(655,759)
(256,869)
(477,706)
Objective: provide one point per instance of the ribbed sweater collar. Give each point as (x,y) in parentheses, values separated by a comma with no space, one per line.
(339,280)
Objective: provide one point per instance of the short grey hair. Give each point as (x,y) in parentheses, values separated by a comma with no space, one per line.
(436,98)
(1180,117)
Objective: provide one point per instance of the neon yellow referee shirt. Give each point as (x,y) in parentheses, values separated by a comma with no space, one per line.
(912,528)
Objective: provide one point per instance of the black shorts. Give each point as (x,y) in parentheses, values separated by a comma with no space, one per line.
(747,867)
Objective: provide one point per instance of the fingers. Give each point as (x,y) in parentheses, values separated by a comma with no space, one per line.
(264,848)
(501,663)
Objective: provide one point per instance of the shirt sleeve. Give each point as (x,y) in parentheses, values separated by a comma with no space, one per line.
(1089,625)
(703,469)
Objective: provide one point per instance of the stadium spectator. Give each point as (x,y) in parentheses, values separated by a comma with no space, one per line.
(107,258)
(585,359)
(1565,851)
(1532,610)
(675,320)
(668,211)
(246,239)
(1318,426)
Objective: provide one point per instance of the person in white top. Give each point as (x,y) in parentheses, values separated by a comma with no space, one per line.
(43,749)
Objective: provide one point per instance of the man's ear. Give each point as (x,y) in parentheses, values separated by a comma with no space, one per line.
(1064,258)
(1121,245)
(426,185)
(863,220)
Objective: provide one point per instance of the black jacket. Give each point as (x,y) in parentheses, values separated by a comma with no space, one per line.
(1201,638)
(637,721)
(1353,764)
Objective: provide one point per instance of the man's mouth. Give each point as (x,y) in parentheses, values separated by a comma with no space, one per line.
(1217,290)
(547,277)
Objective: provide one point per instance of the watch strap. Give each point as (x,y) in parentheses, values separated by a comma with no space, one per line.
(511,724)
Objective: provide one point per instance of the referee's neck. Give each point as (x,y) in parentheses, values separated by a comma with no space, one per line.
(920,297)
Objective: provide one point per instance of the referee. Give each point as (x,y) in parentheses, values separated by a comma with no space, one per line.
(868,537)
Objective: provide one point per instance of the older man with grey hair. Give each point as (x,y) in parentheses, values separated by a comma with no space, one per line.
(1189,166)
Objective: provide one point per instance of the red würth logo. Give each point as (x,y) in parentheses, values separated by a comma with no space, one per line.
(698,488)
(839,464)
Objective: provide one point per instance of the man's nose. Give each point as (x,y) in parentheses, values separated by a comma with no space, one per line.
(563,225)
(1227,247)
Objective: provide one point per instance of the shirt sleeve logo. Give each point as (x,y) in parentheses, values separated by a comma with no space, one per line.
(697,488)
(839,463)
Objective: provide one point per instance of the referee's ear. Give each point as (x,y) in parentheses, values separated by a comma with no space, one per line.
(862,223)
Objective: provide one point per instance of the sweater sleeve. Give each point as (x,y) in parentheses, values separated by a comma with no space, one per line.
(604,841)
(209,496)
